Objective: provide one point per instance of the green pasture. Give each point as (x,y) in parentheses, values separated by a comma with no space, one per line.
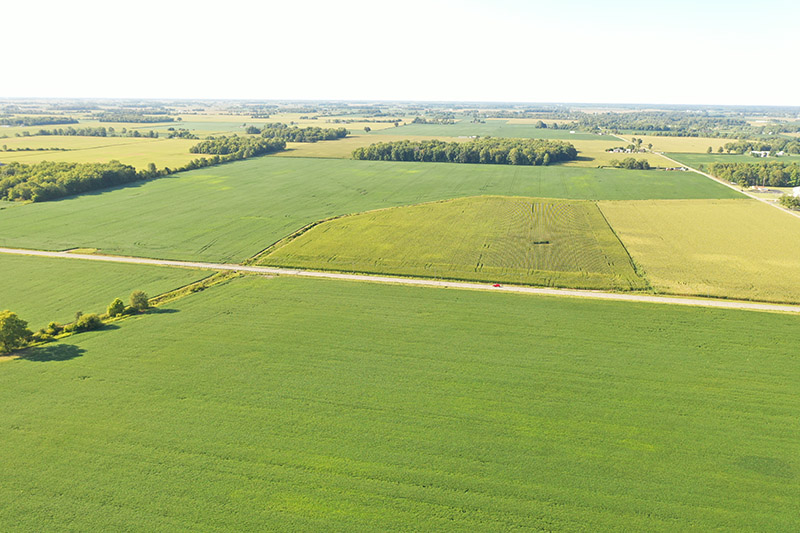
(307,405)
(493,128)
(487,238)
(232,211)
(42,289)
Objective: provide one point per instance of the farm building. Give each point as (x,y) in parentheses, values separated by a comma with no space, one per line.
(796,192)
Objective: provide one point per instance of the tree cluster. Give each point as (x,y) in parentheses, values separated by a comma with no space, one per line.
(630,163)
(435,120)
(35,121)
(49,180)
(484,150)
(772,145)
(14,332)
(134,117)
(239,147)
(100,131)
(295,134)
(789,202)
(773,173)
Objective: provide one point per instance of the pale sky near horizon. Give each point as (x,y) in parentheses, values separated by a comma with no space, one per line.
(614,51)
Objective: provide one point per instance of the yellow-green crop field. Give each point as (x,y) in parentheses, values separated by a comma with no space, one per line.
(723,248)
(138,152)
(680,144)
(486,238)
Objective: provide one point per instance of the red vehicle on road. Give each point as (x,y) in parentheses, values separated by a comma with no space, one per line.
(496,285)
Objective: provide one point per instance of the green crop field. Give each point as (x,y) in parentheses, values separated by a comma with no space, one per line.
(488,238)
(696,160)
(724,248)
(231,212)
(138,152)
(46,289)
(306,405)
(494,128)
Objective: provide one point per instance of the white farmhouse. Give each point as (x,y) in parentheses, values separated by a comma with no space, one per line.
(796,192)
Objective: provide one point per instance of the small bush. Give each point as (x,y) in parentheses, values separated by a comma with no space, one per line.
(88,323)
(116,307)
(139,300)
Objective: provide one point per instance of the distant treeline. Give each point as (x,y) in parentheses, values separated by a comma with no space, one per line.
(96,132)
(48,180)
(295,134)
(132,117)
(773,173)
(773,144)
(241,147)
(444,119)
(36,121)
(485,150)
(630,163)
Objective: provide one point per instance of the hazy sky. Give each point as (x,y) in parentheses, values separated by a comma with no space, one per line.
(678,51)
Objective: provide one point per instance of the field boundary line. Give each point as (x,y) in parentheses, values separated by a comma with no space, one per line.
(542,291)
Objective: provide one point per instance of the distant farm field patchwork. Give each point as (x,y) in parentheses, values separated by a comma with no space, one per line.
(724,248)
(697,160)
(520,240)
(233,211)
(46,289)
(311,405)
(492,127)
(138,152)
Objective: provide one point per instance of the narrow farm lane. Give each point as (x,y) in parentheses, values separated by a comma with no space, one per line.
(573,293)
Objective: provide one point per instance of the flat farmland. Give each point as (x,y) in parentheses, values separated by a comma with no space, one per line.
(343,148)
(593,154)
(724,248)
(361,407)
(696,160)
(138,152)
(697,145)
(489,238)
(46,289)
(492,127)
(233,211)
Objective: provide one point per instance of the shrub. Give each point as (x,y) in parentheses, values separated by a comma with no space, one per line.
(116,307)
(139,300)
(88,323)
(14,332)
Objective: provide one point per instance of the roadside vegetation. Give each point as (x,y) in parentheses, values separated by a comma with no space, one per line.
(773,173)
(15,335)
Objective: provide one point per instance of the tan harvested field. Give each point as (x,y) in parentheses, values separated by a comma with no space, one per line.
(680,144)
(723,248)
